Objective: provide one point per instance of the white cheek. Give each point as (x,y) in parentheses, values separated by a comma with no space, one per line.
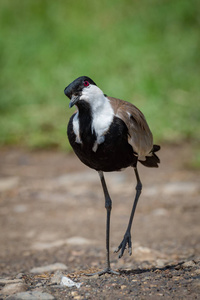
(92,94)
(85,96)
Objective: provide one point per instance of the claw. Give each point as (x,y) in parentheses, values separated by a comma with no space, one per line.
(118,248)
(126,241)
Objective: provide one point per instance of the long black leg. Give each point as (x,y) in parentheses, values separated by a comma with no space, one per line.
(108,206)
(127,237)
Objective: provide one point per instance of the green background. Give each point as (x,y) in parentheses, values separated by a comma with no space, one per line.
(146,52)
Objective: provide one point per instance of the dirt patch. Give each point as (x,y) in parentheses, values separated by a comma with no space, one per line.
(52,214)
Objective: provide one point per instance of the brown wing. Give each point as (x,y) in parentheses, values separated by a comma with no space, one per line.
(140,136)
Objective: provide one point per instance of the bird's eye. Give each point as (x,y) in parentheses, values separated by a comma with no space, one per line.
(86,83)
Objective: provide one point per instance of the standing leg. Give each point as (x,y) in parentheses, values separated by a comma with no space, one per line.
(127,237)
(108,206)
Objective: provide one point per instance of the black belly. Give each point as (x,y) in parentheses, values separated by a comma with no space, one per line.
(113,154)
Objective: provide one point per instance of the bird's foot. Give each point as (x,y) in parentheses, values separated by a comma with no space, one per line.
(105,271)
(126,241)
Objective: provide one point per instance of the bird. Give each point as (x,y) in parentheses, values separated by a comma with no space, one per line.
(109,134)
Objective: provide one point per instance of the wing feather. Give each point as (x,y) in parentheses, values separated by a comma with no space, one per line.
(140,136)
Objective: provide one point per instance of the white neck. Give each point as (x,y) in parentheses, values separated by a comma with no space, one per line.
(102,112)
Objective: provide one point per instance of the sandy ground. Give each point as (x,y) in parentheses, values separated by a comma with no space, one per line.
(52,211)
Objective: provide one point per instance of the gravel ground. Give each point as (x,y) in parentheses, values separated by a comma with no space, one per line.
(52,220)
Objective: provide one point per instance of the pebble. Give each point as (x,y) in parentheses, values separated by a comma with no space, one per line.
(151,191)
(78,297)
(56,278)
(35,295)
(69,283)
(123,287)
(188,264)
(74,293)
(20,275)
(76,178)
(48,245)
(8,183)
(20,208)
(178,267)
(49,268)
(144,253)
(4,281)
(160,263)
(160,212)
(174,188)
(76,240)
(197,272)
(71,241)
(14,288)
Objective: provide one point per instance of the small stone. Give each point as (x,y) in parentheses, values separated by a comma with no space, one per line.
(197,284)
(20,208)
(197,272)
(144,253)
(49,268)
(8,183)
(176,278)
(146,278)
(39,284)
(160,263)
(94,277)
(78,297)
(4,281)
(157,271)
(123,287)
(76,240)
(188,264)
(153,286)
(74,293)
(174,188)
(56,278)
(20,275)
(14,288)
(87,295)
(160,212)
(178,267)
(66,281)
(31,295)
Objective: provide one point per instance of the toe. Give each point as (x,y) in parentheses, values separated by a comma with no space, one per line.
(122,246)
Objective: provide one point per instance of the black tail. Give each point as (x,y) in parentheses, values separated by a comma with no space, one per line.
(153,160)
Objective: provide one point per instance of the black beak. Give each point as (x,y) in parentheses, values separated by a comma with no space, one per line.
(73,100)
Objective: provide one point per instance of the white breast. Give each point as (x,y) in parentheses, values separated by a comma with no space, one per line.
(102,119)
(76,128)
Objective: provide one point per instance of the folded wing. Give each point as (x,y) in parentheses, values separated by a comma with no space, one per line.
(140,136)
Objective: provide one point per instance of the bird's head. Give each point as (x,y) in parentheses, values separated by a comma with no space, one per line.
(83,89)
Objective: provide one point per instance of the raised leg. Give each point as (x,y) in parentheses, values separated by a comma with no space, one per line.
(108,206)
(127,237)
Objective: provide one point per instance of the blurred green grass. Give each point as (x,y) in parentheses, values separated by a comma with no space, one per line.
(145,52)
